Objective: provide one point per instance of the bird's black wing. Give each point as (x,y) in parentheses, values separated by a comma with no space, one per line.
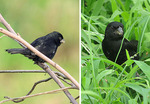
(131,46)
(106,49)
(111,48)
(38,44)
(38,41)
(48,50)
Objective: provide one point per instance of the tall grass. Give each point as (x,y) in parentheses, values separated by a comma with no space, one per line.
(118,85)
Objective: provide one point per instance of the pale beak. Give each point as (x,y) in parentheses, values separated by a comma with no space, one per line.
(119,31)
(62,41)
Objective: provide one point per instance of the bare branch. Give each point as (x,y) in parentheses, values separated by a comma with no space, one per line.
(18,38)
(2,20)
(44,66)
(31,71)
(22,71)
(20,100)
(65,81)
(52,74)
(29,96)
(45,80)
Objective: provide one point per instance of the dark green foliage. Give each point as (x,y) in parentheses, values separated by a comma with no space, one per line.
(117,85)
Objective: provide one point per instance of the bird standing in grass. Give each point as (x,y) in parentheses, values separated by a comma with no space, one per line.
(112,43)
(47,45)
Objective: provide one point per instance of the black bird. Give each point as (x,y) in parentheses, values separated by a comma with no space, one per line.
(47,45)
(112,42)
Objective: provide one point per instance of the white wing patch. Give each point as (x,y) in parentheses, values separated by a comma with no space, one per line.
(135,55)
(53,51)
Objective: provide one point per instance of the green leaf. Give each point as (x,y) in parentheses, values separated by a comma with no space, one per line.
(132,101)
(143,91)
(97,7)
(127,54)
(103,74)
(144,67)
(91,93)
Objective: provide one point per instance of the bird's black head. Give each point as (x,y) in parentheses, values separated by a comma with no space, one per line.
(114,30)
(58,38)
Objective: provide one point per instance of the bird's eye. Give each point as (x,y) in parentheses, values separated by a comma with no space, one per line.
(60,38)
(112,27)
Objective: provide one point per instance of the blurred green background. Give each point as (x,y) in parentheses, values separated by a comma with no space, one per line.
(33,19)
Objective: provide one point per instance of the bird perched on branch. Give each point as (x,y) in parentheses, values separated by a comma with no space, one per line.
(112,43)
(47,45)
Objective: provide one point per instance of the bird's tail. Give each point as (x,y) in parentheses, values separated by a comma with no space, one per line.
(16,51)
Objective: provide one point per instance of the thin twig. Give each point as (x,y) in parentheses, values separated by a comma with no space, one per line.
(66,81)
(31,71)
(2,20)
(35,84)
(77,97)
(45,80)
(29,96)
(22,71)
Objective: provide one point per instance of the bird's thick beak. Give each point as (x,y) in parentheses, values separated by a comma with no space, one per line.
(62,41)
(120,31)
